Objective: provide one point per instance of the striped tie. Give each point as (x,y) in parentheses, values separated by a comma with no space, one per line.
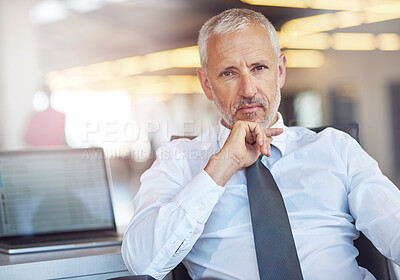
(276,253)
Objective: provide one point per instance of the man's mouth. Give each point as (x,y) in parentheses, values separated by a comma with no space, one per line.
(249,108)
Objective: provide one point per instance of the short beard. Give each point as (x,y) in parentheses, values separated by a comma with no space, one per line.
(230,117)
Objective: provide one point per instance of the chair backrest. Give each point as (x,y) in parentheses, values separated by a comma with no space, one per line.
(369,257)
(350,128)
(180,273)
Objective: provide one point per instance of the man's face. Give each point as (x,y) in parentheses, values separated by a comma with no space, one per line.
(243,76)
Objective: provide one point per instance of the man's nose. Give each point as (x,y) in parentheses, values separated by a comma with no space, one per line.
(247,85)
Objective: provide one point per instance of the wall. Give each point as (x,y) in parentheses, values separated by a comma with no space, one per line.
(19,73)
(1,73)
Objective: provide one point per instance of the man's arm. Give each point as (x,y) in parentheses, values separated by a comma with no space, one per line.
(169,218)
(374,201)
(170,212)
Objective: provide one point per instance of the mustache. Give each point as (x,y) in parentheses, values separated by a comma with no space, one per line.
(249,101)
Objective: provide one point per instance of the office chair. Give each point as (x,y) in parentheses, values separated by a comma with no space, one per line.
(369,257)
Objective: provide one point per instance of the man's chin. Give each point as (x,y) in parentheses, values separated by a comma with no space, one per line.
(249,117)
(264,121)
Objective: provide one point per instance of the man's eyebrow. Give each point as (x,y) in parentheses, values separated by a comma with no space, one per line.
(228,68)
(261,62)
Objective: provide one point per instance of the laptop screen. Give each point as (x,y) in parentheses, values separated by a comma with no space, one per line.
(50,191)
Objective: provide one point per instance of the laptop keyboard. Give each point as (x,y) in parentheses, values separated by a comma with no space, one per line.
(57,238)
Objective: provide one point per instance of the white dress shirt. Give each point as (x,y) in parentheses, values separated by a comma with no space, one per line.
(331,188)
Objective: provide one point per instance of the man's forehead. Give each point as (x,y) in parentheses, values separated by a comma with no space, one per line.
(251,42)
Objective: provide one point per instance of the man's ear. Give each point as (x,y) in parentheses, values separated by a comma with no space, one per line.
(282,69)
(205,84)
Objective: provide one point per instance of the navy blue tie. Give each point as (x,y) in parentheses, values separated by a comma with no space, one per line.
(276,252)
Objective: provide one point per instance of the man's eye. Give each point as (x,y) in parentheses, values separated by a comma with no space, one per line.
(260,67)
(226,74)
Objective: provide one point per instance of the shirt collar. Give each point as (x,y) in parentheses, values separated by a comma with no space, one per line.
(278,141)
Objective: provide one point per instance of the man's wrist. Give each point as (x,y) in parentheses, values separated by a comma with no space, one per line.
(221,167)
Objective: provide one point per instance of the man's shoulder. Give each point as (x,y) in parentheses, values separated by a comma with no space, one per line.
(328,135)
(300,134)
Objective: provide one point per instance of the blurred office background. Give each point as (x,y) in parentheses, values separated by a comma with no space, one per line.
(120,74)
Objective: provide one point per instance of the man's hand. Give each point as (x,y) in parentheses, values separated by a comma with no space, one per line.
(245,143)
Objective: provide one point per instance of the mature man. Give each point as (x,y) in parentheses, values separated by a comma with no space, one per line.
(193,203)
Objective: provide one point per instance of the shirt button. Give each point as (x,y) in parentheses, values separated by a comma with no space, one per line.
(201,208)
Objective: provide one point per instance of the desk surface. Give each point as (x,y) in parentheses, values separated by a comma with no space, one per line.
(88,264)
(93,263)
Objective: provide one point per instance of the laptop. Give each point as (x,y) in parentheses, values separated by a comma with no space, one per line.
(55,199)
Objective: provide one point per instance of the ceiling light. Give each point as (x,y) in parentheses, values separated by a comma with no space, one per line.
(47,11)
(351,5)
(176,58)
(353,41)
(128,66)
(354,13)
(347,19)
(85,6)
(371,17)
(304,58)
(277,3)
(184,57)
(310,24)
(172,84)
(187,57)
(137,85)
(388,42)
(317,41)
(390,7)
(331,21)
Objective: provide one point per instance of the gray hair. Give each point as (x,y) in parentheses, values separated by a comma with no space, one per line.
(233,20)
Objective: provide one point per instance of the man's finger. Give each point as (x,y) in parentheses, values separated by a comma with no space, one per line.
(260,135)
(254,133)
(269,140)
(273,131)
(264,148)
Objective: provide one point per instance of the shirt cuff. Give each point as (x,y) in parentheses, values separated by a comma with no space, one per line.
(199,197)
